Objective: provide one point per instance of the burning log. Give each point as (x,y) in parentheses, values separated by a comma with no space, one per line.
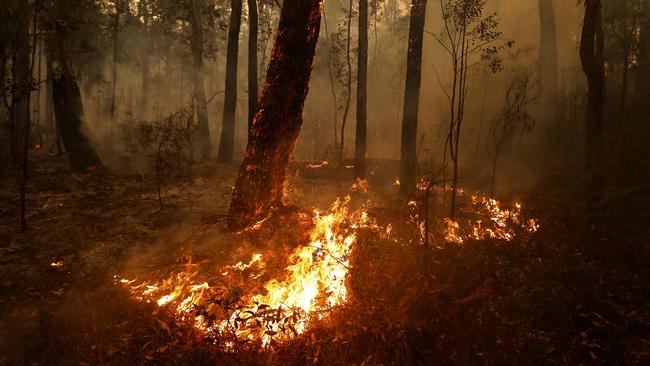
(278,120)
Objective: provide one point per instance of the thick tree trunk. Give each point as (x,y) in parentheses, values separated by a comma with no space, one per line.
(362,91)
(591,57)
(548,64)
(252,63)
(227,141)
(412,97)
(203,130)
(277,123)
(22,68)
(68,109)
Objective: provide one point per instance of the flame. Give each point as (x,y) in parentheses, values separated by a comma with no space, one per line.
(360,185)
(58,264)
(494,222)
(397,182)
(315,282)
(322,164)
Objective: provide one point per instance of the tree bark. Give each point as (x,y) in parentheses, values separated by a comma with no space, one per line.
(227,141)
(252,63)
(68,107)
(48,118)
(362,92)
(348,95)
(548,64)
(203,129)
(408,163)
(591,57)
(144,105)
(278,120)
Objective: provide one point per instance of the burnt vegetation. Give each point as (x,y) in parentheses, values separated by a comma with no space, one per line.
(371,182)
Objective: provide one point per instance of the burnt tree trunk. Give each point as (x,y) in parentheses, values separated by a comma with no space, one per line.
(591,57)
(279,117)
(362,92)
(68,107)
(22,68)
(253,89)
(48,119)
(203,128)
(408,163)
(227,141)
(548,64)
(144,104)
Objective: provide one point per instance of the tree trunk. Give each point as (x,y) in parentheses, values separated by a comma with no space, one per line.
(252,63)
(68,107)
(203,130)
(412,97)
(348,96)
(362,91)
(591,57)
(116,24)
(277,123)
(21,98)
(144,105)
(48,118)
(227,142)
(548,64)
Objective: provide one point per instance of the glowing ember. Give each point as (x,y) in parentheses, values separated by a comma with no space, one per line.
(315,283)
(58,264)
(397,182)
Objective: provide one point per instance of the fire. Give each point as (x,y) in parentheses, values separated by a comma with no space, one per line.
(322,164)
(493,222)
(315,283)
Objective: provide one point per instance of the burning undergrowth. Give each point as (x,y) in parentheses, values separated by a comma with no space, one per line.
(279,288)
(230,305)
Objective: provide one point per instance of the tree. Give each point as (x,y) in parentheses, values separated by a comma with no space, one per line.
(227,142)
(408,163)
(591,58)
(68,106)
(513,119)
(362,91)
(469,38)
(277,123)
(548,54)
(252,62)
(348,83)
(203,128)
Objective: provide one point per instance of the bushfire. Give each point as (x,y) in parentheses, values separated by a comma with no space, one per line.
(314,282)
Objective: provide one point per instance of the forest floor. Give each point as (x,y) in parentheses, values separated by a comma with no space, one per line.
(567,294)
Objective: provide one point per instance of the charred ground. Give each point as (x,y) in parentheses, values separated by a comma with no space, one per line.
(567,294)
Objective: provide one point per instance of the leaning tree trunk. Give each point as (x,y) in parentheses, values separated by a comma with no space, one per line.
(279,117)
(203,130)
(548,64)
(362,92)
(227,141)
(412,97)
(252,63)
(591,57)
